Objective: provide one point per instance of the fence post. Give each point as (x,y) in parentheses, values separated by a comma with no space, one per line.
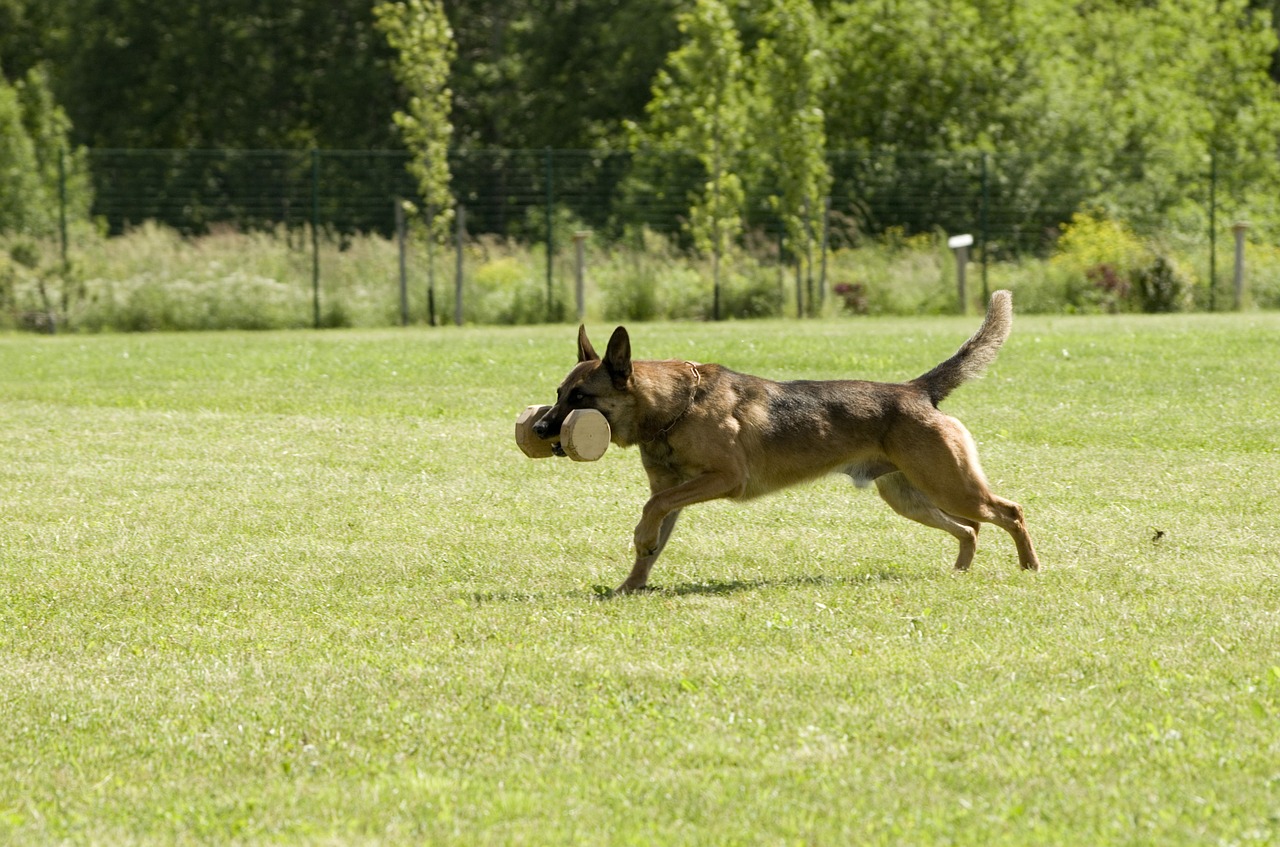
(822,267)
(580,271)
(1213,230)
(807,259)
(960,245)
(457,279)
(1239,228)
(431,266)
(62,205)
(404,279)
(315,235)
(550,233)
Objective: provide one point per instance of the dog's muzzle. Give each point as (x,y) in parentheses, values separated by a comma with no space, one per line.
(545,430)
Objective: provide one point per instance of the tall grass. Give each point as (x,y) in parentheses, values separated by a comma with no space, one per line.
(302,588)
(154,279)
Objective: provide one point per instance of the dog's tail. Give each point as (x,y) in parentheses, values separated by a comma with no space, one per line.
(974,355)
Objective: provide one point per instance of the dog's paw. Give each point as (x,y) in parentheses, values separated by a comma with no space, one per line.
(630,588)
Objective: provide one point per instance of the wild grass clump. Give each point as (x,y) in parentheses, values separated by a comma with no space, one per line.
(154,278)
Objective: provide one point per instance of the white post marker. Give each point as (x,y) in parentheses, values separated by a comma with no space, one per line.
(960,244)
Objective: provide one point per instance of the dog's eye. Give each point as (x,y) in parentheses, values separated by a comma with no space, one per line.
(576,396)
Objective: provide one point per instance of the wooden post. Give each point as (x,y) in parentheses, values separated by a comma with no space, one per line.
(959,244)
(457,283)
(580,270)
(826,234)
(404,279)
(315,237)
(431,266)
(1239,228)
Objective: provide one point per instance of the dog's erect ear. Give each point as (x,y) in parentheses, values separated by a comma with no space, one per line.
(586,353)
(617,358)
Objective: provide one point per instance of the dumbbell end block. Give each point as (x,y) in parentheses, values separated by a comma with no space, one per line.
(529,443)
(585,435)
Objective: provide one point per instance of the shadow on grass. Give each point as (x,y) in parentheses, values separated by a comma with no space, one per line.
(707,588)
(722,587)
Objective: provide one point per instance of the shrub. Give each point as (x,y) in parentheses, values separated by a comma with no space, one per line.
(751,293)
(894,276)
(1262,263)
(1162,285)
(1114,270)
(505,290)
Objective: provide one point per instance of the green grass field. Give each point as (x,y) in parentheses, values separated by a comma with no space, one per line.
(302,588)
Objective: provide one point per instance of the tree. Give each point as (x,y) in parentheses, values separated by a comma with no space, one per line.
(924,75)
(1136,101)
(699,106)
(588,65)
(291,74)
(20,189)
(39,169)
(419,33)
(791,77)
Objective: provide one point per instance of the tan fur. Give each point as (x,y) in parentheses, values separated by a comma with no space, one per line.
(706,432)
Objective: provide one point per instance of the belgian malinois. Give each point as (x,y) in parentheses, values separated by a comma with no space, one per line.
(707,432)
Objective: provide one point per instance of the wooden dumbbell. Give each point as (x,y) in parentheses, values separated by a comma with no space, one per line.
(530,444)
(584,435)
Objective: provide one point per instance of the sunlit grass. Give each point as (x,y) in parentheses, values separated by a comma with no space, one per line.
(303,588)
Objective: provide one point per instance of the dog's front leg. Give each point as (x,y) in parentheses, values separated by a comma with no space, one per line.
(659,519)
(644,561)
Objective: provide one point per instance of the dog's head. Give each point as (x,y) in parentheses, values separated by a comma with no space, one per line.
(594,383)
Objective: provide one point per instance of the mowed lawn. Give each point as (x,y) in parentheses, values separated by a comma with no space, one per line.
(302,588)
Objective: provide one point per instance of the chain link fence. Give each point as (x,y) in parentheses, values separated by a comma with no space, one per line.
(323,200)
(513,193)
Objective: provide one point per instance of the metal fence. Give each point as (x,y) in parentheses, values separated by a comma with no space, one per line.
(514,193)
(1007,202)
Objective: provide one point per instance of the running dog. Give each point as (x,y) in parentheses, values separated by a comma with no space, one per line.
(706,432)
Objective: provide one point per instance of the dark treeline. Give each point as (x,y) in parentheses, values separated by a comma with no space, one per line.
(1130,102)
(298,74)
(914,74)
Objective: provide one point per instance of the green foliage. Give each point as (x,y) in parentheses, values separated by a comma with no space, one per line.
(1263,270)
(505,288)
(18,176)
(419,33)
(917,75)
(179,75)
(38,167)
(1118,106)
(561,75)
(655,280)
(791,76)
(1115,270)
(700,106)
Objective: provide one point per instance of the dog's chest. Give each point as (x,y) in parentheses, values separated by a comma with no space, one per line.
(658,455)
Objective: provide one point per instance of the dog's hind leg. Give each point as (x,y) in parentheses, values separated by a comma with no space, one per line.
(1007,515)
(943,465)
(911,502)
